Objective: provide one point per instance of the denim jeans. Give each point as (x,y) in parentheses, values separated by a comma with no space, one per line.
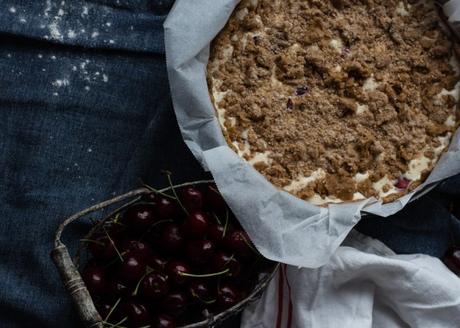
(85,112)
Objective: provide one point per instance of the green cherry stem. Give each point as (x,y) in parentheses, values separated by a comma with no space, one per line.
(226,223)
(113,244)
(112,309)
(168,175)
(206,275)
(156,191)
(217,218)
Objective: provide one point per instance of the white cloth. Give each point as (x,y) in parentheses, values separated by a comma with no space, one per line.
(364,285)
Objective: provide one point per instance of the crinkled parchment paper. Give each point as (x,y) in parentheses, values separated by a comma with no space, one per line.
(283,227)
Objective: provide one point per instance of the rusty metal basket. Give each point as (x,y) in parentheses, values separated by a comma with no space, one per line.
(72,280)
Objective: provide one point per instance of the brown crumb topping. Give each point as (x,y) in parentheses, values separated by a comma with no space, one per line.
(343,86)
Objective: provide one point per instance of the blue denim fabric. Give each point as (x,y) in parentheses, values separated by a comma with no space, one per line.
(85,112)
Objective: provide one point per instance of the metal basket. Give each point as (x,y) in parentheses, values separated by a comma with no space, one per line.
(74,284)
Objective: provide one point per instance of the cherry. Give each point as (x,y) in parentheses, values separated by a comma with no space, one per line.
(165,208)
(191,198)
(154,286)
(452,259)
(175,270)
(200,290)
(216,233)
(171,238)
(174,303)
(224,261)
(164,321)
(227,296)
(132,268)
(402,183)
(116,289)
(238,241)
(103,247)
(140,216)
(156,262)
(136,312)
(95,280)
(214,199)
(199,251)
(136,246)
(196,224)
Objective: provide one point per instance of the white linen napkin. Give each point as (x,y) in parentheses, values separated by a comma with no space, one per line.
(365,284)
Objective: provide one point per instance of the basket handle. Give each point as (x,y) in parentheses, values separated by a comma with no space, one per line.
(69,274)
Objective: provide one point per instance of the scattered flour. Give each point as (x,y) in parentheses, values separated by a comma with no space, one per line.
(60,83)
(12,10)
(71,34)
(84,12)
(95,34)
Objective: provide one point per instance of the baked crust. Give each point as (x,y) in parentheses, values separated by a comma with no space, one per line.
(336,100)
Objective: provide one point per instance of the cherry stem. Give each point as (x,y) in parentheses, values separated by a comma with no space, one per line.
(206,275)
(112,309)
(226,223)
(155,190)
(153,225)
(203,300)
(217,218)
(116,325)
(116,218)
(139,284)
(92,241)
(168,175)
(113,244)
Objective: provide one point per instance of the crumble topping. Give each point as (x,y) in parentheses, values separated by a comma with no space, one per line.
(337,100)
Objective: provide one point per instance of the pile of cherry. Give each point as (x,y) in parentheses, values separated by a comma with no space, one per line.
(171,259)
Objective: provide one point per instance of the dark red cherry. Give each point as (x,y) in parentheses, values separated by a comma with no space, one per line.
(139,247)
(137,313)
(216,233)
(196,224)
(139,216)
(103,247)
(228,296)
(132,268)
(214,199)
(199,251)
(402,183)
(165,208)
(117,289)
(452,259)
(95,280)
(222,261)
(174,303)
(191,198)
(200,289)
(163,321)
(175,270)
(239,243)
(154,286)
(171,238)
(156,262)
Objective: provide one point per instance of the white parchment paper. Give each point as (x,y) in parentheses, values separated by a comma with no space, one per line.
(283,227)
